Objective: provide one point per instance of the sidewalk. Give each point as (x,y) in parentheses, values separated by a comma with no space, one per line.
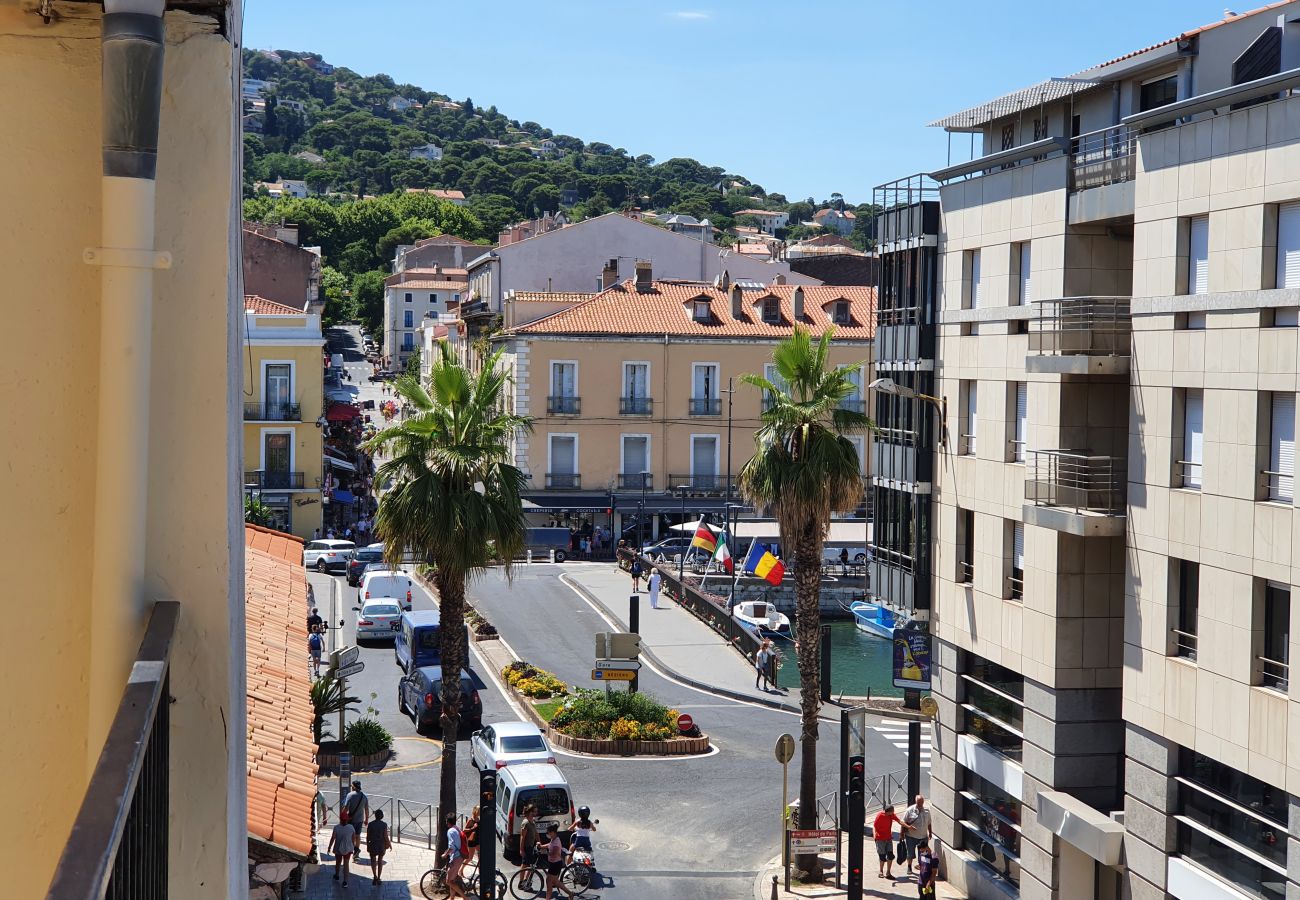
(403,868)
(872,884)
(677,642)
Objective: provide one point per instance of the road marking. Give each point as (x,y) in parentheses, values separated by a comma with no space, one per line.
(895,731)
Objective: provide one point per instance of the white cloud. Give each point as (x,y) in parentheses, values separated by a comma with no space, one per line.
(691,15)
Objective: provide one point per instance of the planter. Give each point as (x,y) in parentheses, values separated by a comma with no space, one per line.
(678,746)
(327,759)
(486,637)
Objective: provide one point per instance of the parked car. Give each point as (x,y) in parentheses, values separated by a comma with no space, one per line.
(360,558)
(831,555)
(394,583)
(419,695)
(669,548)
(508,743)
(327,555)
(378,620)
(418,641)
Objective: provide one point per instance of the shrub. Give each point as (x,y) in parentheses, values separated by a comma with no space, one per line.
(619,716)
(625,730)
(533,682)
(366,736)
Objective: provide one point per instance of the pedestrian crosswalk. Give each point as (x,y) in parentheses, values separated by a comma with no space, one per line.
(895,731)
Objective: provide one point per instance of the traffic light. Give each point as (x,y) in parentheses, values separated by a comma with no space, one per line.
(857,775)
(623,645)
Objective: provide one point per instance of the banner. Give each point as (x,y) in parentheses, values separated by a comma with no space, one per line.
(911,659)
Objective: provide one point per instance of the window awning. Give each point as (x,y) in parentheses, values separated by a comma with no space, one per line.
(340,463)
(344,497)
(341,412)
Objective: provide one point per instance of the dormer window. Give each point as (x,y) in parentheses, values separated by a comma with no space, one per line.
(700,310)
(840,313)
(771,310)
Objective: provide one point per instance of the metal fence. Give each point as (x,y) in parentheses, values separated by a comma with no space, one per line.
(1082,326)
(1076,480)
(409,821)
(1099,158)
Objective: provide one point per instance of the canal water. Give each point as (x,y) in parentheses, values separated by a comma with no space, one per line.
(860,662)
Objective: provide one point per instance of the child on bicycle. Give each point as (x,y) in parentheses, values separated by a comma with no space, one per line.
(582,830)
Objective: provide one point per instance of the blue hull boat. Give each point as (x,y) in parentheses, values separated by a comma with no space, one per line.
(873,618)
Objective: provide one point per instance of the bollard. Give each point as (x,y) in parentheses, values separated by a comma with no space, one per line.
(530,556)
(552,554)
(774,894)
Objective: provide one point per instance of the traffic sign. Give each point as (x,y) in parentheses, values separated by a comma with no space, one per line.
(612,674)
(685,723)
(929,706)
(348,671)
(620,665)
(345,656)
(814,840)
(785,749)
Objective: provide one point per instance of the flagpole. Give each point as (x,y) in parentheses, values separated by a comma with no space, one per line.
(731,394)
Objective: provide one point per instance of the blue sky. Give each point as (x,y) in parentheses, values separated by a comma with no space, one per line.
(803,98)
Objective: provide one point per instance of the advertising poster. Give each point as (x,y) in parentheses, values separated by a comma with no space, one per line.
(911,659)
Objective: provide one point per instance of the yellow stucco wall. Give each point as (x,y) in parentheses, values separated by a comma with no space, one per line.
(50,179)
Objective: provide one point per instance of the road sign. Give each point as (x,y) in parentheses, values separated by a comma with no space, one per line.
(930,706)
(348,671)
(621,665)
(814,840)
(345,656)
(785,749)
(623,645)
(612,674)
(685,723)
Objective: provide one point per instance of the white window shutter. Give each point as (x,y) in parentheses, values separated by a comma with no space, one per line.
(1022,419)
(1193,438)
(1018,546)
(1026,270)
(1198,255)
(972,413)
(1288,245)
(563,457)
(975,279)
(1281,451)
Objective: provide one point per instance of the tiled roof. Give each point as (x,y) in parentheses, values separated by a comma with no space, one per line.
(431,285)
(753,249)
(1008,104)
(281,754)
(666,309)
(846,213)
(550,296)
(260,306)
(445,239)
(412,274)
(758,212)
(1187,34)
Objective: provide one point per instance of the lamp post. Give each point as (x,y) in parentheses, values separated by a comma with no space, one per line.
(640,514)
(889,386)
(727,528)
(681,559)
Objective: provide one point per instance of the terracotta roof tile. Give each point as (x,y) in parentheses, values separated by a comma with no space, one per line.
(1187,34)
(665,309)
(430,285)
(260,306)
(550,296)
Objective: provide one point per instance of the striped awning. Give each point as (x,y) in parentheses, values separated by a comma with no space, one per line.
(1048,91)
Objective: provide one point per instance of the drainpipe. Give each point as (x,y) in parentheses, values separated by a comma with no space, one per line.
(132,45)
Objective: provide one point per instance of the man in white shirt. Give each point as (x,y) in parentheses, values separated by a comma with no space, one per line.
(916,829)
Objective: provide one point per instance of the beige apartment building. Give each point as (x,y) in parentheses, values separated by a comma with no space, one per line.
(628,389)
(1115,539)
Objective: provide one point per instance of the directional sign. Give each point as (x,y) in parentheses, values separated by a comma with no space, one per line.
(620,665)
(612,674)
(814,841)
(346,656)
(348,671)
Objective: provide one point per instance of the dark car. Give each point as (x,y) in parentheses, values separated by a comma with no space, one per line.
(361,557)
(419,695)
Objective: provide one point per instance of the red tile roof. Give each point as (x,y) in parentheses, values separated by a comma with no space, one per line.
(1190,33)
(281,754)
(846,213)
(260,306)
(758,212)
(438,192)
(429,284)
(666,309)
(550,296)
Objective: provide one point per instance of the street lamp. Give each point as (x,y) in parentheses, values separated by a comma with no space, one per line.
(640,514)
(681,559)
(889,386)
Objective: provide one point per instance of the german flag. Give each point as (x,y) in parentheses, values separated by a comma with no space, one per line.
(704,538)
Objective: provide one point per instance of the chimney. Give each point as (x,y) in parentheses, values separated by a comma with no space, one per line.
(778,279)
(724,281)
(797,301)
(737,301)
(609,275)
(644,277)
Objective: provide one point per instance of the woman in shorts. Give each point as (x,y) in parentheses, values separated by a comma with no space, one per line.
(554,849)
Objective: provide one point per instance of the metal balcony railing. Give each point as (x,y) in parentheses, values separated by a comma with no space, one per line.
(118,847)
(1184,644)
(966,572)
(1189,473)
(563,406)
(706,406)
(636,481)
(563,481)
(1108,156)
(272,412)
(1281,485)
(274,481)
(1274,674)
(1076,480)
(635,406)
(1082,326)
(705,484)
(1015,587)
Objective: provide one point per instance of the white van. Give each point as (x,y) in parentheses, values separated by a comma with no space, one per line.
(541,784)
(394,583)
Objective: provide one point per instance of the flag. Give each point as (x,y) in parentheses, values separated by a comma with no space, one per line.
(704,538)
(762,563)
(723,554)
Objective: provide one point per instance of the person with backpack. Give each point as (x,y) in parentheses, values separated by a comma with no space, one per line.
(315,646)
(378,843)
(355,811)
(636,572)
(455,857)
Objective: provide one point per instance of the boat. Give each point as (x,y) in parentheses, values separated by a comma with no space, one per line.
(873,618)
(764,616)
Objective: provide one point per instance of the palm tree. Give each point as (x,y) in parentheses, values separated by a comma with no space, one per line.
(327,698)
(803,469)
(454,492)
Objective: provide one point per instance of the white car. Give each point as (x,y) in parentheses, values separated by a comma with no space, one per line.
(377,620)
(384,582)
(326,554)
(508,743)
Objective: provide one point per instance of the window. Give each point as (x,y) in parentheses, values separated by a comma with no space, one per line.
(1019,419)
(1288,245)
(1193,449)
(408,342)
(854,401)
(455,298)
(704,462)
(1280,317)
(969,416)
(1274,635)
(1016,583)
(994,706)
(1186,588)
(701,310)
(409,295)
(965,546)
(635,463)
(1025,270)
(990,822)
(562,462)
(563,398)
(1158,92)
(704,390)
(840,315)
(279,378)
(770,373)
(1198,255)
(1281,448)
(408,318)
(636,389)
(973,283)
(771,310)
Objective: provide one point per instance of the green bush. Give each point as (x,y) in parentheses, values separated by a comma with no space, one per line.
(366,736)
(595,714)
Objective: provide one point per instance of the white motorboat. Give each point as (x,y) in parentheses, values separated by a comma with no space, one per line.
(764,616)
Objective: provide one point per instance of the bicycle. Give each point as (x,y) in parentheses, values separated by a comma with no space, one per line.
(576,876)
(433,884)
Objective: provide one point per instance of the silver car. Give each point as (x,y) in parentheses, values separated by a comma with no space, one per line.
(508,743)
(377,620)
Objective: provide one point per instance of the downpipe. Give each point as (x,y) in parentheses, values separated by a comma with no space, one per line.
(132,74)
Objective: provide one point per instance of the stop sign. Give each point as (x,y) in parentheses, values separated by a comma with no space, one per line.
(685,722)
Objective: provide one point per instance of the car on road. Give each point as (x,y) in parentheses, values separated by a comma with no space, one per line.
(419,695)
(540,784)
(670,548)
(327,555)
(393,583)
(544,540)
(504,744)
(419,638)
(378,620)
(360,558)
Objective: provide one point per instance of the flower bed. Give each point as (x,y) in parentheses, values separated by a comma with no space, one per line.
(532,682)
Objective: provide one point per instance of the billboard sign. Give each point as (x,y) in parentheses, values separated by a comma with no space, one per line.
(911,659)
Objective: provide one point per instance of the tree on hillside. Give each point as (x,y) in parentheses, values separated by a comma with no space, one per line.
(410,231)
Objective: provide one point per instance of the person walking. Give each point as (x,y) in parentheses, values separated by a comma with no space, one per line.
(341,846)
(314,621)
(356,805)
(762,659)
(378,843)
(653,587)
(844,560)
(314,646)
(916,829)
(636,572)
(554,861)
(882,832)
(927,870)
(528,842)
(470,831)
(455,857)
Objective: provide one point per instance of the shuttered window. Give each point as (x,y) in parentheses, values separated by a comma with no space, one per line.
(1022,420)
(564,454)
(974,279)
(1026,270)
(1288,245)
(970,416)
(1281,449)
(1193,438)
(1198,255)
(1018,546)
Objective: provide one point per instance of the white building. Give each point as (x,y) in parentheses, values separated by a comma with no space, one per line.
(399,104)
(768,220)
(839,221)
(410,297)
(426,151)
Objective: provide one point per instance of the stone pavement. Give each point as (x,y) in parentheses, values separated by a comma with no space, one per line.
(403,868)
(872,884)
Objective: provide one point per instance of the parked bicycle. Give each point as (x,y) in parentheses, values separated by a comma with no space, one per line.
(433,884)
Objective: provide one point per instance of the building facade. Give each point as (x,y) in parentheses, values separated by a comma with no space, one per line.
(410,297)
(1114,505)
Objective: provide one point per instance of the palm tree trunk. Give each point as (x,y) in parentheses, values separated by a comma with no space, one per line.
(451,641)
(807,588)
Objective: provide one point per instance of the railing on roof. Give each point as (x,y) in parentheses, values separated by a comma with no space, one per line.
(1082,326)
(118,847)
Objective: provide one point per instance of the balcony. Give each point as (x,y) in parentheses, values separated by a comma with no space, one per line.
(1081,336)
(706,406)
(274,481)
(701,485)
(119,842)
(636,481)
(272,412)
(1103,165)
(563,481)
(563,406)
(1076,492)
(635,406)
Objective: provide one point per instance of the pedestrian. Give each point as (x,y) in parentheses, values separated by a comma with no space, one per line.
(761,660)
(528,840)
(653,587)
(315,535)
(378,843)
(341,845)
(844,560)
(927,869)
(470,830)
(554,860)
(455,857)
(916,829)
(314,647)
(882,832)
(314,621)
(356,806)
(636,571)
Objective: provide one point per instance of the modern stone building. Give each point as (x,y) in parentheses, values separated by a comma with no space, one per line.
(1113,538)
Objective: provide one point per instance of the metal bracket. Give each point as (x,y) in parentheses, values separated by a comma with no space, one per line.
(126,259)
